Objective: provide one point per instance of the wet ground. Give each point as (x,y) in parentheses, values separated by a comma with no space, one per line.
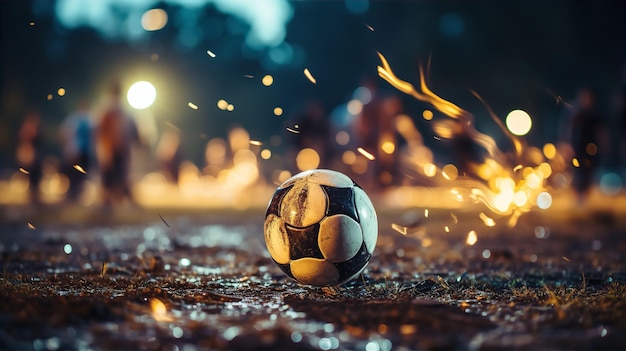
(137,279)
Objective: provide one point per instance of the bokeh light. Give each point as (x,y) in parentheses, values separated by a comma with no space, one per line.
(267,80)
(427,114)
(61,91)
(549,150)
(307,159)
(154,19)
(141,95)
(278,111)
(518,122)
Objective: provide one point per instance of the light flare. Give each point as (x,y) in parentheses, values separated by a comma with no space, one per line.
(503,181)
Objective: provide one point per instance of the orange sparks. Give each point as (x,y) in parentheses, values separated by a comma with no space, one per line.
(24,171)
(308,74)
(454,218)
(472,238)
(489,222)
(31,226)
(400,229)
(256,142)
(517,168)
(80,169)
(192,105)
(159,310)
(575,162)
(366,154)
(446,229)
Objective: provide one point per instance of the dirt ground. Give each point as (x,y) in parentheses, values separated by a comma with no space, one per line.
(137,279)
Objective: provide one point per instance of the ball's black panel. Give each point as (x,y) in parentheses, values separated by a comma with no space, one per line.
(353,265)
(303,242)
(340,201)
(285,268)
(277,198)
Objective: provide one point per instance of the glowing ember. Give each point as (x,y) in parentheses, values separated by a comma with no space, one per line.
(210,53)
(80,169)
(366,154)
(400,229)
(489,222)
(446,229)
(159,310)
(454,218)
(575,162)
(472,238)
(309,76)
(192,105)
(24,171)
(427,115)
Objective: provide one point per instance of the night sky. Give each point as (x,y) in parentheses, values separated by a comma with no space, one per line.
(515,54)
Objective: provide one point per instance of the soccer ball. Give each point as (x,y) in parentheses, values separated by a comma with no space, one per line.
(321,228)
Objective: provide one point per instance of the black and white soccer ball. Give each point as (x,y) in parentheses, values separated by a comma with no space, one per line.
(321,228)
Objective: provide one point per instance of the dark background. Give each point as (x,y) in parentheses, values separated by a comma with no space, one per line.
(516,54)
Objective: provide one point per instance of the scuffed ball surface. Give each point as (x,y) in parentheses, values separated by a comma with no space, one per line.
(321,228)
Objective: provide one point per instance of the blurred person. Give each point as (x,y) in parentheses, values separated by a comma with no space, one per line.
(169,154)
(30,153)
(115,132)
(582,130)
(76,139)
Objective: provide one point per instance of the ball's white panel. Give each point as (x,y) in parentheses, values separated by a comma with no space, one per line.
(339,238)
(314,271)
(331,178)
(304,204)
(295,178)
(322,177)
(367,218)
(276,239)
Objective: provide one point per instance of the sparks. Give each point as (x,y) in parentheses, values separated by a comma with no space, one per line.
(308,74)
(210,53)
(80,169)
(24,171)
(366,154)
(369,27)
(249,76)
(517,168)
(489,222)
(293,130)
(400,229)
(446,229)
(426,212)
(472,238)
(159,310)
(575,162)
(192,105)
(256,142)
(31,226)
(454,218)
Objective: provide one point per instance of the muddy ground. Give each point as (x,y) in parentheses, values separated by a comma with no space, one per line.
(137,279)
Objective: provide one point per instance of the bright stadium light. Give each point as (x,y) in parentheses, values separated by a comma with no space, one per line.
(141,95)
